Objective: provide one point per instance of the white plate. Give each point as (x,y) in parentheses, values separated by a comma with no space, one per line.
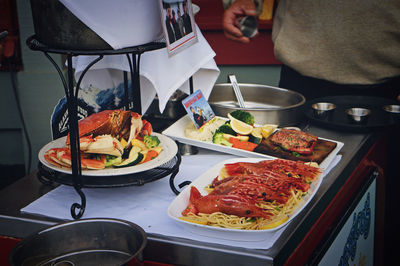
(182,200)
(177,131)
(169,146)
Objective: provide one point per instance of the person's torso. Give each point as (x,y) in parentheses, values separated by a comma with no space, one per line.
(353,42)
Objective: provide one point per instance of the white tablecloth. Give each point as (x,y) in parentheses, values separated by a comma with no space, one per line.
(145,205)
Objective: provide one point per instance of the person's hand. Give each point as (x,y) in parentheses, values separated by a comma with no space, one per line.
(239,9)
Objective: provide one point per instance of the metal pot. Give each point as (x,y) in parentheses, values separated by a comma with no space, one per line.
(269,105)
(56,26)
(82,242)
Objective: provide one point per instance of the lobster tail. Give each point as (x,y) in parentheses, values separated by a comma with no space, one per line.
(194,194)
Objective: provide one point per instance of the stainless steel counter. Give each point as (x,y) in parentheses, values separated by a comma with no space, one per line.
(191,252)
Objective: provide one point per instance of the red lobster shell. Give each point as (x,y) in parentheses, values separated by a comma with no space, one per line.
(229,204)
(116,123)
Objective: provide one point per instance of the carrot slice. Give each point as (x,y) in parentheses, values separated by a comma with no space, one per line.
(151,154)
(243,145)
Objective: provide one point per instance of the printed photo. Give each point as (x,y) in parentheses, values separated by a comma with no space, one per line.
(198,109)
(178,24)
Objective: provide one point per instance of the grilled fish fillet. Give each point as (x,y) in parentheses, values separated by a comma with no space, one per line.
(294,140)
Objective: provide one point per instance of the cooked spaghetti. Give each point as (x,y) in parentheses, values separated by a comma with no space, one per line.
(252,196)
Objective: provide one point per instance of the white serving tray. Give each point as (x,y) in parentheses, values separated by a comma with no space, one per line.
(182,200)
(169,146)
(177,131)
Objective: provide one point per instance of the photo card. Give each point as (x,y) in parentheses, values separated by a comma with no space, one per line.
(178,23)
(198,109)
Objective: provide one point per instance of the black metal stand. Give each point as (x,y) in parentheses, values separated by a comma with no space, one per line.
(133,55)
(49,176)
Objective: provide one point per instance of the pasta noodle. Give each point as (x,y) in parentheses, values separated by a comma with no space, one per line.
(279,212)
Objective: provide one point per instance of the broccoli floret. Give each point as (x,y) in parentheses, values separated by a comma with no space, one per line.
(218,138)
(226,128)
(243,116)
(151,141)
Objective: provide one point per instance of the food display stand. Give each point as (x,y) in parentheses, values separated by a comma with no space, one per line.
(306,239)
(71,89)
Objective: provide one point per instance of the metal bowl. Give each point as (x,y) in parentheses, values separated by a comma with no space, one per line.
(82,242)
(393,108)
(358,114)
(269,105)
(323,109)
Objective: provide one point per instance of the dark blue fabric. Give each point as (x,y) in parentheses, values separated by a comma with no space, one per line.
(315,88)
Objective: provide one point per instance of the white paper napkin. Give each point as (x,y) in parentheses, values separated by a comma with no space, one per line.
(159,73)
(145,205)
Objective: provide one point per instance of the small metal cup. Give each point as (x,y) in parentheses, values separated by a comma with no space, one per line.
(393,108)
(358,115)
(394,112)
(186,149)
(248,26)
(323,109)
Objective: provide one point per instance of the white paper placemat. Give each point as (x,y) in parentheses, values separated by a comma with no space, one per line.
(144,205)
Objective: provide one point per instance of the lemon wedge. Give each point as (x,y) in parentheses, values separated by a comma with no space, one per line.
(275,224)
(266,130)
(256,135)
(240,127)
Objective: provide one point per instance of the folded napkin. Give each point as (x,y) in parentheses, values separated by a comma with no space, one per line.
(146,205)
(159,73)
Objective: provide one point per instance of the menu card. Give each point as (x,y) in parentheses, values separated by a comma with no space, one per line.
(198,109)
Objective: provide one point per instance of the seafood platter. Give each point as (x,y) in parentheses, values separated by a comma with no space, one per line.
(238,134)
(245,199)
(112,142)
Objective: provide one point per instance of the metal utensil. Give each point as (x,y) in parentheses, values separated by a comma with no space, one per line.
(236,89)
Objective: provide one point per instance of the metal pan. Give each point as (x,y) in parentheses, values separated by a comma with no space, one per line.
(269,105)
(82,242)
